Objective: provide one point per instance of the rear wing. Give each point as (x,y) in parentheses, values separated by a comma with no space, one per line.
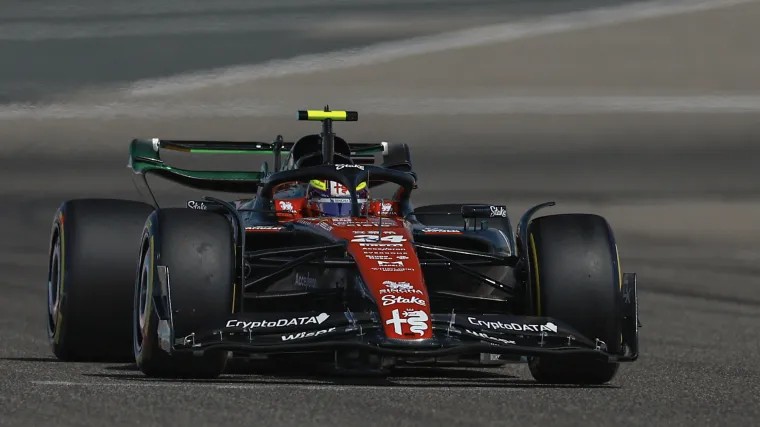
(145,158)
(145,155)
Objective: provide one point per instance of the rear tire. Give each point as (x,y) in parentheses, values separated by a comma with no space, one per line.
(91,276)
(575,277)
(197,247)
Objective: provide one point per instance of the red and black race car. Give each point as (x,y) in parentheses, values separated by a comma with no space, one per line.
(330,261)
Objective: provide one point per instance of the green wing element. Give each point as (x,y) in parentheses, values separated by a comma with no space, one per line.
(145,158)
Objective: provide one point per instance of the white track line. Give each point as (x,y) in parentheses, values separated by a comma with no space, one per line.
(556,105)
(135,106)
(388,51)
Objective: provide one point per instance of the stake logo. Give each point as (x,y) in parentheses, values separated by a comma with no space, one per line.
(398,299)
(192,204)
(339,167)
(498,211)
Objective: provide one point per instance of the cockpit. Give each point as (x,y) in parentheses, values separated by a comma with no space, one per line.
(328,198)
(325,176)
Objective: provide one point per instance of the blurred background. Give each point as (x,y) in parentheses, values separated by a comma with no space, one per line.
(647,112)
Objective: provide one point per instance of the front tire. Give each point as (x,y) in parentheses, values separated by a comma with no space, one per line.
(197,248)
(91,278)
(575,277)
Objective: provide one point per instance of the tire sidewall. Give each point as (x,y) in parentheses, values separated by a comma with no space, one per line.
(159,235)
(96,240)
(587,300)
(56,325)
(147,349)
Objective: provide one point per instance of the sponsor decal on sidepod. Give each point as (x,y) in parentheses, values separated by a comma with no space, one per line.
(192,204)
(498,211)
(263,228)
(305,281)
(441,231)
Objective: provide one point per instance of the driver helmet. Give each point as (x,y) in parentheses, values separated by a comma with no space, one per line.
(331,198)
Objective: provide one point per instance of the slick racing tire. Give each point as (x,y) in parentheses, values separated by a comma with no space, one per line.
(93,247)
(575,277)
(197,248)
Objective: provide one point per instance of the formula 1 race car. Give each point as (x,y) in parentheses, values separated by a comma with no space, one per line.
(330,262)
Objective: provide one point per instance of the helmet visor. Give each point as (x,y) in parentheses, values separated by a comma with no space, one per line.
(331,208)
(334,206)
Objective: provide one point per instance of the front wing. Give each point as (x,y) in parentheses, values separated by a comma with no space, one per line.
(452,334)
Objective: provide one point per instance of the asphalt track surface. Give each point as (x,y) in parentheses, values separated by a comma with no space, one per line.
(681,188)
